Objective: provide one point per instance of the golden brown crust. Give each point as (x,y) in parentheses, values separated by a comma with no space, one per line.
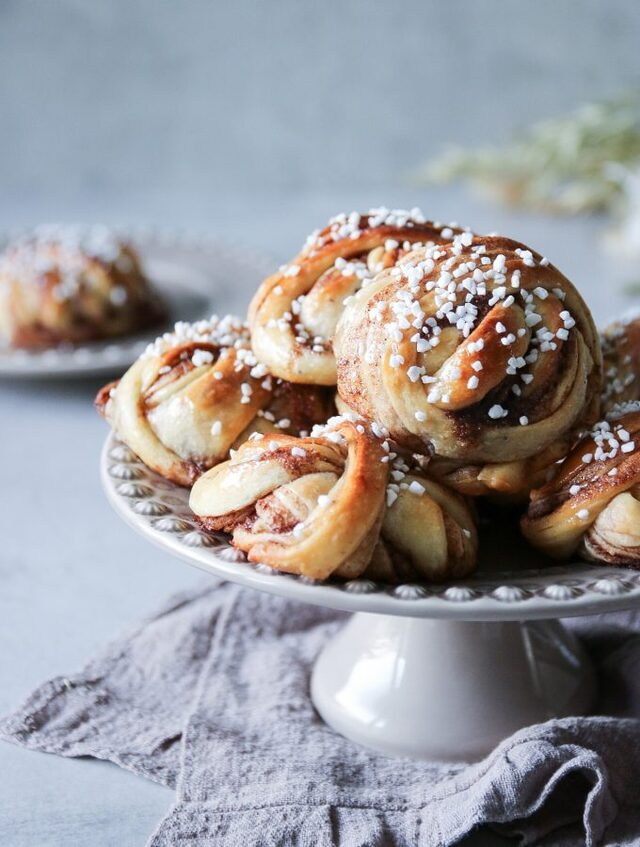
(480,352)
(429,537)
(294,312)
(348,472)
(592,505)
(64,285)
(508,482)
(325,506)
(198,393)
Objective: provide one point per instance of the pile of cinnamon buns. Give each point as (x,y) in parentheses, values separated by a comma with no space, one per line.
(391,378)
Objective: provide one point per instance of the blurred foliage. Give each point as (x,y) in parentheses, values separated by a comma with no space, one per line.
(566,165)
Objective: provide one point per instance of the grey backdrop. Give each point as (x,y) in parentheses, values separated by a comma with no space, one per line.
(122,98)
(253,121)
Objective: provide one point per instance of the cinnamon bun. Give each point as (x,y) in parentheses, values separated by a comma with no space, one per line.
(63,284)
(479,352)
(197,392)
(592,505)
(294,313)
(621,360)
(338,503)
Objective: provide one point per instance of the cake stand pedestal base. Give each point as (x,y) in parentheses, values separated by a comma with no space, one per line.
(447,690)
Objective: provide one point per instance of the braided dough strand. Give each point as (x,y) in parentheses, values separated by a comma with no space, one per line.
(197,393)
(294,313)
(330,505)
(479,351)
(592,504)
(351,470)
(427,538)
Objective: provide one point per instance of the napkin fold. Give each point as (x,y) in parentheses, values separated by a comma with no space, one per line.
(211,696)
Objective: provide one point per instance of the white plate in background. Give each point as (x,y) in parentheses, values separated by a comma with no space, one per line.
(190,273)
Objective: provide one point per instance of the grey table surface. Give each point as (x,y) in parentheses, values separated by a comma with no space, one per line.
(72,575)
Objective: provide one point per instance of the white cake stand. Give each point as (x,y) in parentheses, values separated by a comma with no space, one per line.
(437,672)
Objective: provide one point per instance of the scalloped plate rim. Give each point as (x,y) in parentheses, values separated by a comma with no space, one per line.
(382,600)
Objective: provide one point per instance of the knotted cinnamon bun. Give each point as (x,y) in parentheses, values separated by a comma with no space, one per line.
(507,482)
(478,351)
(70,284)
(198,391)
(592,506)
(621,360)
(340,503)
(294,313)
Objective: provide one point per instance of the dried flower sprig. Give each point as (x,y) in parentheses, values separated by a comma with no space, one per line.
(561,165)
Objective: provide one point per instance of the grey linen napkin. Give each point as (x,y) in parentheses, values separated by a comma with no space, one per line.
(210,695)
